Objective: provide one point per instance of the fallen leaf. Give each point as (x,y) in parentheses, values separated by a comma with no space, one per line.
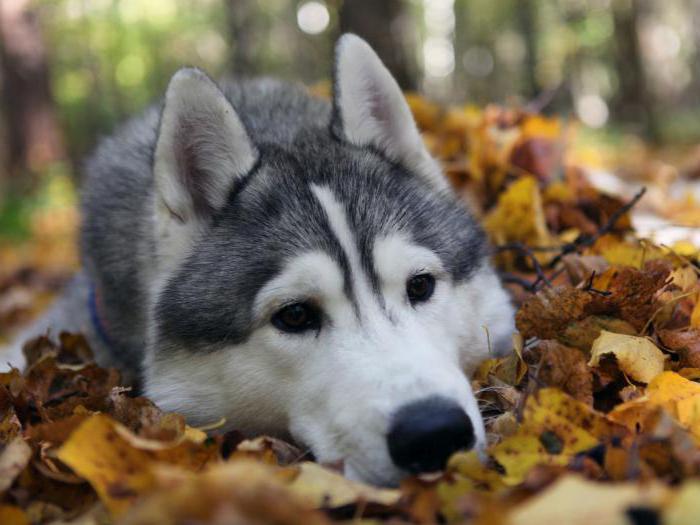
(14,458)
(323,488)
(118,464)
(565,368)
(685,342)
(637,357)
(684,508)
(268,450)
(238,492)
(554,428)
(670,391)
(576,501)
(11,515)
(519,216)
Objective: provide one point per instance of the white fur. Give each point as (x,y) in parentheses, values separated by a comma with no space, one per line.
(374,111)
(340,227)
(336,390)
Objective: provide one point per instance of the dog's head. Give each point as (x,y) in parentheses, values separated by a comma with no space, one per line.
(319,281)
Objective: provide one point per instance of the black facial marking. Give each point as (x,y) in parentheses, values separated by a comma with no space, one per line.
(273,215)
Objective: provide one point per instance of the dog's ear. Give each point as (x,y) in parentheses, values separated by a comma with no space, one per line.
(202,148)
(370,110)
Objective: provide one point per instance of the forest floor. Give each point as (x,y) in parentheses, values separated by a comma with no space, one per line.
(595,415)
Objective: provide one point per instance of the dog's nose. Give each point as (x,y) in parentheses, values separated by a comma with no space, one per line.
(424,434)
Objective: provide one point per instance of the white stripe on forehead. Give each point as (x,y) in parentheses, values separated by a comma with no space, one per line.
(338,223)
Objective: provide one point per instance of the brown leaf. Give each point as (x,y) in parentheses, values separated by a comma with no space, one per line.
(631,297)
(565,368)
(239,492)
(119,465)
(144,418)
(633,292)
(684,342)
(547,313)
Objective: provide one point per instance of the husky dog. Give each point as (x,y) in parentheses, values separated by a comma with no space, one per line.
(299,268)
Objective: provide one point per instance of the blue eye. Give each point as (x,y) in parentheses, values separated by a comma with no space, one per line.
(297,317)
(420,288)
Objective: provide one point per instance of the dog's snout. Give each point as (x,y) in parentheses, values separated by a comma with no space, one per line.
(424,434)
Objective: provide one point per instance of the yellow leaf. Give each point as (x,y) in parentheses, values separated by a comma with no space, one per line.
(118,464)
(685,278)
(558,191)
(684,509)
(237,492)
(519,215)
(685,249)
(690,373)
(577,501)
(624,253)
(424,112)
(637,357)
(555,427)
(541,127)
(11,515)
(670,391)
(321,487)
(471,474)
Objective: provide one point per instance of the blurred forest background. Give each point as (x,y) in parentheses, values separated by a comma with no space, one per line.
(71,69)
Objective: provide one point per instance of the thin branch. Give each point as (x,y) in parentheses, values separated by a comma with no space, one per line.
(588,287)
(526,251)
(583,241)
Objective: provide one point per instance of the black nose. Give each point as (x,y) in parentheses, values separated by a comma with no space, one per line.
(424,434)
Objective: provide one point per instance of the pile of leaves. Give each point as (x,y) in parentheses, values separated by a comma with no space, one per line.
(594,416)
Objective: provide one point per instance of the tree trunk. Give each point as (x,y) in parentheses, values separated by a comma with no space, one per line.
(378,22)
(634,99)
(33,133)
(244,25)
(526,18)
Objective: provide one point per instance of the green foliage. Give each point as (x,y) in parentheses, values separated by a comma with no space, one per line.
(110,58)
(15,210)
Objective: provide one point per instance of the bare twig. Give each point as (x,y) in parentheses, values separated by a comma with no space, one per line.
(583,240)
(526,251)
(515,279)
(588,287)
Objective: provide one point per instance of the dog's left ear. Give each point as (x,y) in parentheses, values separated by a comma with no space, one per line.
(203,149)
(202,152)
(369,109)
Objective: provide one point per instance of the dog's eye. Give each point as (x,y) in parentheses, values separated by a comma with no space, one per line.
(420,287)
(297,317)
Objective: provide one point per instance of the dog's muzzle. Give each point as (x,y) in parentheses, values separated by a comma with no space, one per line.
(424,434)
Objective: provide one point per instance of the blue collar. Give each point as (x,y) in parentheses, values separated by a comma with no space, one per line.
(97,324)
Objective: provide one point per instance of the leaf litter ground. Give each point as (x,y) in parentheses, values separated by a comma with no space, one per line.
(595,415)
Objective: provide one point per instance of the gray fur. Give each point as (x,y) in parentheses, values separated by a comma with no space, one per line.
(272,213)
(209,212)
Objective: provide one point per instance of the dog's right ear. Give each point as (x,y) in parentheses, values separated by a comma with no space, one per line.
(202,148)
(201,152)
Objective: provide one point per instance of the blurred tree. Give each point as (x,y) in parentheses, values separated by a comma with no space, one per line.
(633,101)
(383,24)
(526,13)
(33,134)
(244,24)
